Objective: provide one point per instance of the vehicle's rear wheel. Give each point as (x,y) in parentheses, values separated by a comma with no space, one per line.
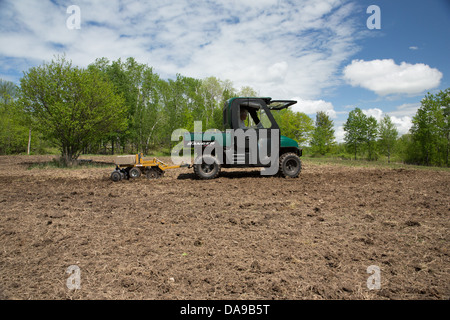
(290,165)
(207,167)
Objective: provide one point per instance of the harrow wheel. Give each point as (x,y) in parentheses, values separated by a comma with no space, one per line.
(134,173)
(154,173)
(116,176)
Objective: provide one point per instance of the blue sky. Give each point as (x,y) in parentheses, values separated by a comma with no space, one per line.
(319,52)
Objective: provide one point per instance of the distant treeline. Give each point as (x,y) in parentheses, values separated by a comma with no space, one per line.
(115,107)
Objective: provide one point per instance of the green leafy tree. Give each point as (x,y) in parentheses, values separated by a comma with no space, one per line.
(212,93)
(247,91)
(148,99)
(227,93)
(406,148)
(295,125)
(8,92)
(71,106)
(371,137)
(444,101)
(429,131)
(147,116)
(355,130)
(388,135)
(14,125)
(323,138)
(127,78)
(198,106)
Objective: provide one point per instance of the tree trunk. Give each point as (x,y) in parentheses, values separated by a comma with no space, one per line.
(112,146)
(448,147)
(29,142)
(68,155)
(389,155)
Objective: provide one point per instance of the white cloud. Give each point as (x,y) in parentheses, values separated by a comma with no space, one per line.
(375,112)
(401,121)
(280,48)
(311,107)
(403,124)
(406,109)
(278,70)
(402,116)
(384,77)
(339,134)
(414,48)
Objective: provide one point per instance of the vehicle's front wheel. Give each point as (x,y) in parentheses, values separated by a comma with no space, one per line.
(290,165)
(207,167)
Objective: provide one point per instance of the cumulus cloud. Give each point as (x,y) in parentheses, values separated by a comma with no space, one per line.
(402,116)
(375,112)
(339,134)
(401,121)
(311,107)
(385,77)
(403,124)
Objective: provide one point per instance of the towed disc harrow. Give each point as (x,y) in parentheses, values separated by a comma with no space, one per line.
(135,166)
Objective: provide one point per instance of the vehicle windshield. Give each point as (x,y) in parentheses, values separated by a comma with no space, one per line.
(280,104)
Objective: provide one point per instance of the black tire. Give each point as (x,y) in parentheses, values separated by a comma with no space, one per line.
(290,165)
(116,176)
(209,168)
(134,173)
(153,174)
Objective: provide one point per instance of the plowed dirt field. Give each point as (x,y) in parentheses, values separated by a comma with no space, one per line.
(240,236)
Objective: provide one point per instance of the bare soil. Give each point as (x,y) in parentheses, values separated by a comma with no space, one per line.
(240,236)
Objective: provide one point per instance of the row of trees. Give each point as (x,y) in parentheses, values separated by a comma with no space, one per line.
(427,143)
(12,130)
(108,107)
(363,132)
(125,107)
(114,107)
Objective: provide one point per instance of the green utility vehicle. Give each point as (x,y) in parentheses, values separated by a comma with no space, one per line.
(257,144)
